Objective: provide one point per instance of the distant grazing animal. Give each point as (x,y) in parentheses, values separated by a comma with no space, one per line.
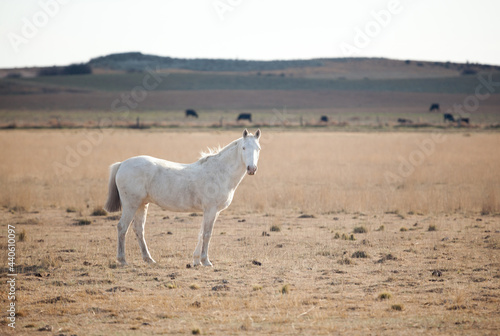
(434,107)
(463,120)
(404,121)
(191,113)
(448,117)
(324,119)
(207,185)
(245,116)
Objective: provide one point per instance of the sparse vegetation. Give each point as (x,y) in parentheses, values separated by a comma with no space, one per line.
(432,227)
(257,287)
(194,286)
(381,228)
(285,289)
(403,229)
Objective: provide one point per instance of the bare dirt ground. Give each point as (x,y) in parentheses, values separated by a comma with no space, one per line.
(320,241)
(300,280)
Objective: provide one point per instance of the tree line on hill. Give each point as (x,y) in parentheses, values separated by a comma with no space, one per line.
(72,69)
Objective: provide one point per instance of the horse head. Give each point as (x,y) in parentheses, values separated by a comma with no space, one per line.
(251,150)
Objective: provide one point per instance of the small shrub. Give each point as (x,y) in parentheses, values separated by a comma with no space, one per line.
(397,307)
(359,254)
(403,229)
(324,253)
(99,212)
(337,235)
(351,237)
(381,228)
(71,209)
(384,296)
(275,228)
(196,331)
(194,286)
(432,227)
(285,289)
(359,229)
(344,236)
(257,287)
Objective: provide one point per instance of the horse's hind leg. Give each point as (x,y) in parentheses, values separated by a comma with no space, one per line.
(123,225)
(139,223)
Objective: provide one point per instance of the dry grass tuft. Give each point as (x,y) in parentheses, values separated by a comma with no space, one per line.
(83,221)
(256,287)
(397,307)
(99,212)
(275,228)
(171,285)
(285,289)
(359,254)
(432,227)
(359,229)
(345,261)
(22,236)
(384,296)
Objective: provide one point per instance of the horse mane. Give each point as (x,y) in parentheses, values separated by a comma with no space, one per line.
(214,151)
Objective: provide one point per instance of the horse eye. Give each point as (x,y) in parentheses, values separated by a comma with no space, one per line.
(244,148)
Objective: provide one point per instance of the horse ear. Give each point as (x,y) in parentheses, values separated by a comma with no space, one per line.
(245,133)
(257,134)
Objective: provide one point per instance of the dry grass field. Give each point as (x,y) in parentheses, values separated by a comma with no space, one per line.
(337,233)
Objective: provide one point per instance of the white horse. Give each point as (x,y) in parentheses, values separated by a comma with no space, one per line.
(207,185)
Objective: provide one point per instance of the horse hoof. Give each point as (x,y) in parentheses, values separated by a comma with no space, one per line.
(122,263)
(207,263)
(149,260)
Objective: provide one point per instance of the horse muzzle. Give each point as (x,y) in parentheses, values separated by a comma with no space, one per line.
(251,170)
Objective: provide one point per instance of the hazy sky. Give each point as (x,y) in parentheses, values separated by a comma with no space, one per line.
(50,32)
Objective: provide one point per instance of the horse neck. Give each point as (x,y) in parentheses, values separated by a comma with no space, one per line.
(230,163)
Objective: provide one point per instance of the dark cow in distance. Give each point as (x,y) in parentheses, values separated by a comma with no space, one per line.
(433,107)
(448,117)
(324,119)
(244,116)
(191,113)
(404,121)
(463,120)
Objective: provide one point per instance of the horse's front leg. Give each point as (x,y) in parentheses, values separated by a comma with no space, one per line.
(200,255)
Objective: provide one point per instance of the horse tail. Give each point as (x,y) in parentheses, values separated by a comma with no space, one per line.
(113,203)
